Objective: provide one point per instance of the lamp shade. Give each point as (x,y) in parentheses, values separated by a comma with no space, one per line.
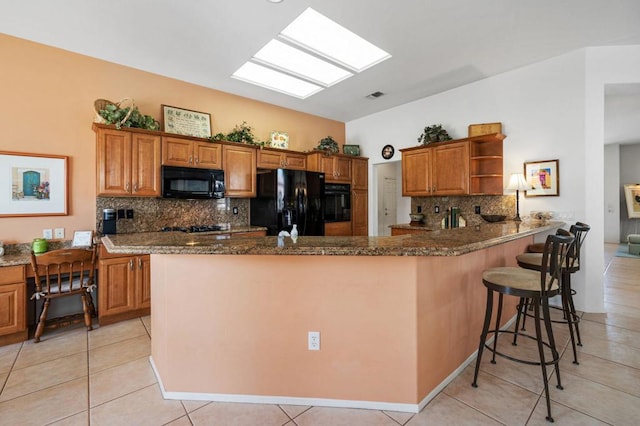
(517,182)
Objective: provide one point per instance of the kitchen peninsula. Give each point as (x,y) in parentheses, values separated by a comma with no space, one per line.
(397,316)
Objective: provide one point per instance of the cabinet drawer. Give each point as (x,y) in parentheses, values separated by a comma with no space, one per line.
(12,274)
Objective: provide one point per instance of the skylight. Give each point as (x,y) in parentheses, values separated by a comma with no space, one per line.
(309,55)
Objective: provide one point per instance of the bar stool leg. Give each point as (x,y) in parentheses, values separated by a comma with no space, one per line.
(569,317)
(518,316)
(483,335)
(497,328)
(545,379)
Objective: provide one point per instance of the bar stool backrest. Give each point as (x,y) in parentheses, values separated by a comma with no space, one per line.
(579,230)
(555,260)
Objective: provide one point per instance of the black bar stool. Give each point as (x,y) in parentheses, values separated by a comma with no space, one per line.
(533,261)
(537,287)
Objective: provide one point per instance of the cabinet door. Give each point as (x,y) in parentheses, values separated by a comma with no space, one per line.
(337,229)
(177,152)
(295,161)
(416,180)
(359,212)
(145,165)
(360,173)
(239,170)
(13,302)
(114,162)
(268,159)
(143,282)
(450,169)
(207,155)
(342,169)
(117,285)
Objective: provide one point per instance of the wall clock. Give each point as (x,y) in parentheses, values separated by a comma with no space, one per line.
(387,152)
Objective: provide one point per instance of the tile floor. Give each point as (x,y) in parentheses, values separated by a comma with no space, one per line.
(103,378)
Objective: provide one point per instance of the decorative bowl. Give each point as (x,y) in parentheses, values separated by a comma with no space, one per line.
(492,218)
(416,217)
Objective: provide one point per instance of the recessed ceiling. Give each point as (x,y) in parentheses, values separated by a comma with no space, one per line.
(436,45)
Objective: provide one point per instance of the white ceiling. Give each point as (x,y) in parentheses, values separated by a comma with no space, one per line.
(436,44)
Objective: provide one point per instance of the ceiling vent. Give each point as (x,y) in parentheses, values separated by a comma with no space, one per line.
(375,95)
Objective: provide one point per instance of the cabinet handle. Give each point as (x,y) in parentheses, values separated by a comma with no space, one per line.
(135,187)
(197,160)
(190,159)
(127,187)
(433,189)
(131,264)
(139,263)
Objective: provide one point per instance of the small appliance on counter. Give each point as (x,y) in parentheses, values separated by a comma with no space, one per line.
(109,221)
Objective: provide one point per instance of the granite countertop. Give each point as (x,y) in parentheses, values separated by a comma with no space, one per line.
(439,242)
(20,254)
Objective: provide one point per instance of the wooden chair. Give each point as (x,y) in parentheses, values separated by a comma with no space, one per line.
(62,273)
(537,287)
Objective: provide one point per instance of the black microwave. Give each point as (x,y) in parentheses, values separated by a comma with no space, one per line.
(192,183)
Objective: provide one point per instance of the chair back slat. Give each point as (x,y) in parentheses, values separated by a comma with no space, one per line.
(579,230)
(555,260)
(56,271)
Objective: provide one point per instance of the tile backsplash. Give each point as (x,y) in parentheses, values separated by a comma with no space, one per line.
(489,204)
(152,214)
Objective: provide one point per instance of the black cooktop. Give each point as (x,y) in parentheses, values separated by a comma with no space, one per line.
(193,228)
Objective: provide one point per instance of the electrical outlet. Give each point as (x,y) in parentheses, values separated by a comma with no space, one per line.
(129,213)
(477,209)
(436,209)
(314,340)
(58,233)
(419,209)
(235,210)
(47,234)
(121,214)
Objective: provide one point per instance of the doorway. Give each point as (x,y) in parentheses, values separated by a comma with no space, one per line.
(388,197)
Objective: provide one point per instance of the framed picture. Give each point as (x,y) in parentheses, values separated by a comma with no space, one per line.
(279,140)
(186,122)
(33,184)
(543,177)
(83,239)
(632,195)
(351,149)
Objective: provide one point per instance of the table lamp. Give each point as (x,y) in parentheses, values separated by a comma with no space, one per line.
(518,183)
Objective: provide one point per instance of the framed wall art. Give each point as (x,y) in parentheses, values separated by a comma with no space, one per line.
(543,177)
(632,195)
(186,122)
(33,184)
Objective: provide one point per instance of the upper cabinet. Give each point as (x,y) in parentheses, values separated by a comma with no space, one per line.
(189,153)
(239,170)
(360,173)
(128,163)
(271,158)
(336,167)
(471,166)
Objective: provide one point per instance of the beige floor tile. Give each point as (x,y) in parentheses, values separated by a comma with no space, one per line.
(117,332)
(37,377)
(325,416)
(617,376)
(3,379)
(232,414)
(617,320)
(119,353)
(8,356)
(444,410)
(400,417)
(46,406)
(562,415)
(194,405)
(182,421)
(120,380)
(143,407)
(294,411)
(80,419)
(147,323)
(612,351)
(492,396)
(590,329)
(596,400)
(51,348)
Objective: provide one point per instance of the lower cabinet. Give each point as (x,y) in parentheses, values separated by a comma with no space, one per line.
(359,212)
(124,287)
(337,229)
(13,304)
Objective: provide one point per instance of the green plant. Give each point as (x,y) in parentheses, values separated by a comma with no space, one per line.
(328,144)
(242,133)
(433,133)
(115,115)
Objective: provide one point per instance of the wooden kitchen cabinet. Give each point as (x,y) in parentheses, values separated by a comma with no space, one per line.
(336,167)
(13,305)
(269,158)
(360,173)
(128,163)
(359,212)
(124,287)
(461,167)
(337,229)
(190,153)
(239,164)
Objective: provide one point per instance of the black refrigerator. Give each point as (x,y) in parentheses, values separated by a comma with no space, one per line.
(288,197)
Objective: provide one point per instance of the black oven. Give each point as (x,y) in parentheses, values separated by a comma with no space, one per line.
(192,183)
(337,202)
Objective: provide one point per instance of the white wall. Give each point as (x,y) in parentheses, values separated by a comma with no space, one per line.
(549,110)
(612,191)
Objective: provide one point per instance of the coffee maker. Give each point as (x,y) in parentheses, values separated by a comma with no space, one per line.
(109,221)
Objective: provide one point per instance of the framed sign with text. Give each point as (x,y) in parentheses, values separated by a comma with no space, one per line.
(186,122)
